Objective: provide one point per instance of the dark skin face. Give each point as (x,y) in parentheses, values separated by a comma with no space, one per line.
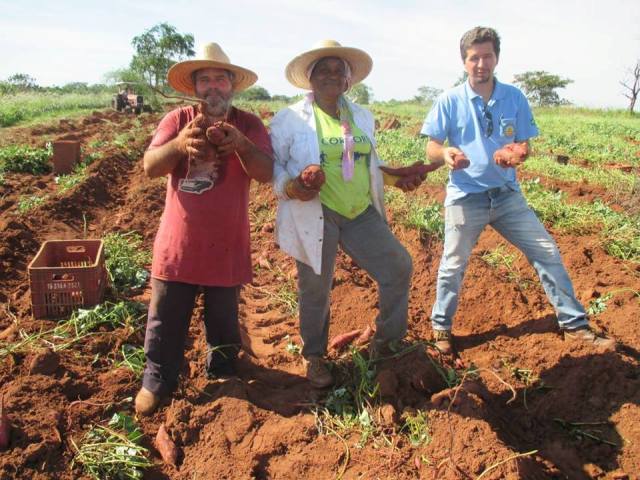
(328,81)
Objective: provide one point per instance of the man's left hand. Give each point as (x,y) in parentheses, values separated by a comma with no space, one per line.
(233,141)
(411,177)
(512,154)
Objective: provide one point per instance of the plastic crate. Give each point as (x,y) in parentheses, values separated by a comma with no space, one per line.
(66,274)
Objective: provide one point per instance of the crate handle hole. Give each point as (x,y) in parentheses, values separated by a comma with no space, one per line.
(65,277)
(76,249)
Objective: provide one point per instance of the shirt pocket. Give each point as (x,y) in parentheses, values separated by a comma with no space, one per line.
(508,128)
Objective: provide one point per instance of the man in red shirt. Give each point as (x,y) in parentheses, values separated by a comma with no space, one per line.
(210,153)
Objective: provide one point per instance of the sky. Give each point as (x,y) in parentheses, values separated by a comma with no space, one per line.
(412,43)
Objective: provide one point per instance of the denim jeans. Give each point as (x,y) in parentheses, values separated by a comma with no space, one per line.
(507,212)
(170,313)
(368,240)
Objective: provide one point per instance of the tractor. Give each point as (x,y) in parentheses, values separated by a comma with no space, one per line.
(127,101)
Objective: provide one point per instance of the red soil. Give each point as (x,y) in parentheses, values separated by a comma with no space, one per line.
(260,425)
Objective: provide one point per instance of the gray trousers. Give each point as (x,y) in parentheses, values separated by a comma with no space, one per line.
(367,240)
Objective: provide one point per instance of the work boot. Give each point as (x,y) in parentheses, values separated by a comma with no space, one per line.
(146,402)
(221,370)
(317,372)
(588,336)
(443,341)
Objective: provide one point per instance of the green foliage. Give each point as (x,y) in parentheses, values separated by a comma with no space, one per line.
(26,203)
(22,107)
(360,94)
(397,148)
(114,451)
(598,305)
(253,93)
(123,314)
(157,49)
(133,358)
(292,347)
(424,215)
(426,94)
(125,260)
(25,159)
(416,426)
(540,87)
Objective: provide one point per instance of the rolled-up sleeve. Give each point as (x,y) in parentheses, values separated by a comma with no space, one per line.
(436,125)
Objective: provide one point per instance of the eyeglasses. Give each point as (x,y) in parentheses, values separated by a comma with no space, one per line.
(486,116)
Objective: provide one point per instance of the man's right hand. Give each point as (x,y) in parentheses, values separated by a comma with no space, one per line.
(192,143)
(455,158)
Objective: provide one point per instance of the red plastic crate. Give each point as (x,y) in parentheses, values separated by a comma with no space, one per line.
(66,274)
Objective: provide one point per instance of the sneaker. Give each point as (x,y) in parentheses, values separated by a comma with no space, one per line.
(443,341)
(146,402)
(317,372)
(587,335)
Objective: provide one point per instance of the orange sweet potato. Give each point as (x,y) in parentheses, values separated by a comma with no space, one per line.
(313,177)
(166,447)
(340,341)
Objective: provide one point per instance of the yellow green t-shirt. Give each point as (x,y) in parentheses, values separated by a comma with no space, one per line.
(348,198)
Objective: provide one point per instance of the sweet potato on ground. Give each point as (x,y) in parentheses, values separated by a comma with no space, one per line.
(340,341)
(166,447)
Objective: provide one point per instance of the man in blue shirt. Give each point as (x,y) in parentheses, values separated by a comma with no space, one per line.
(488,125)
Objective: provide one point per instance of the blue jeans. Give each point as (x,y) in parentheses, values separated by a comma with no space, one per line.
(507,212)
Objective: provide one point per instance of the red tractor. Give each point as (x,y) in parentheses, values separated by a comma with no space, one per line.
(126,100)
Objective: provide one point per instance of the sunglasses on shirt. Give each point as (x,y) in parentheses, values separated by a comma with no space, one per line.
(486,116)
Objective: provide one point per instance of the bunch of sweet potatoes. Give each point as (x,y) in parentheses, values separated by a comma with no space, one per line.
(511,155)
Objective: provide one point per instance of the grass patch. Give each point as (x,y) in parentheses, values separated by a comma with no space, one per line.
(126,261)
(26,159)
(113,451)
(23,107)
(27,203)
(500,259)
(413,212)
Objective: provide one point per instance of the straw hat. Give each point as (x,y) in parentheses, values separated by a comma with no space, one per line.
(359,61)
(179,75)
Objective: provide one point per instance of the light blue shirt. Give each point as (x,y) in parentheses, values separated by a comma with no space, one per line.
(460,116)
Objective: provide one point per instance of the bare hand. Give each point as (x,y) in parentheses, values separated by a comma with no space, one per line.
(455,158)
(191,142)
(233,141)
(511,155)
(411,177)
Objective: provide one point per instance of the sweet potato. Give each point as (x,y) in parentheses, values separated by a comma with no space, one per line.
(215,134)
(365,336)
(460,161)
(340,341)
(5,426)
(166,447)
(511,155)
(312,177)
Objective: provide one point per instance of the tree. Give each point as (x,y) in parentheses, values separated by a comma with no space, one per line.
(540,87)
(22,81)
(461,79)
(633,85)
(427,94)
(360,93)
(254,93)
(157,50)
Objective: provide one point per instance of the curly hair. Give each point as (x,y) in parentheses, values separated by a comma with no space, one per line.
(479,35)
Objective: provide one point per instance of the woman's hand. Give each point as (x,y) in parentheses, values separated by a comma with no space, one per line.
(411,177)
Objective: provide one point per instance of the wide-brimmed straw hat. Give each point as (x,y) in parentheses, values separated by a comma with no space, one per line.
(359,61)
(181,79)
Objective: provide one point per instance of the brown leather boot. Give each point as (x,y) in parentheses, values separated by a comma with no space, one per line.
(588,336)
(443,341)
(317,372)
(146,402)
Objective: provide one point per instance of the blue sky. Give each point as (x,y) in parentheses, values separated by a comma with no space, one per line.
(412,43)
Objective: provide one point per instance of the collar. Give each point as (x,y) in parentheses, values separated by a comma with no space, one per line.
(498,92)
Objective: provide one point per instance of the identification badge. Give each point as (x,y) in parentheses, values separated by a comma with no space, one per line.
(507,127)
